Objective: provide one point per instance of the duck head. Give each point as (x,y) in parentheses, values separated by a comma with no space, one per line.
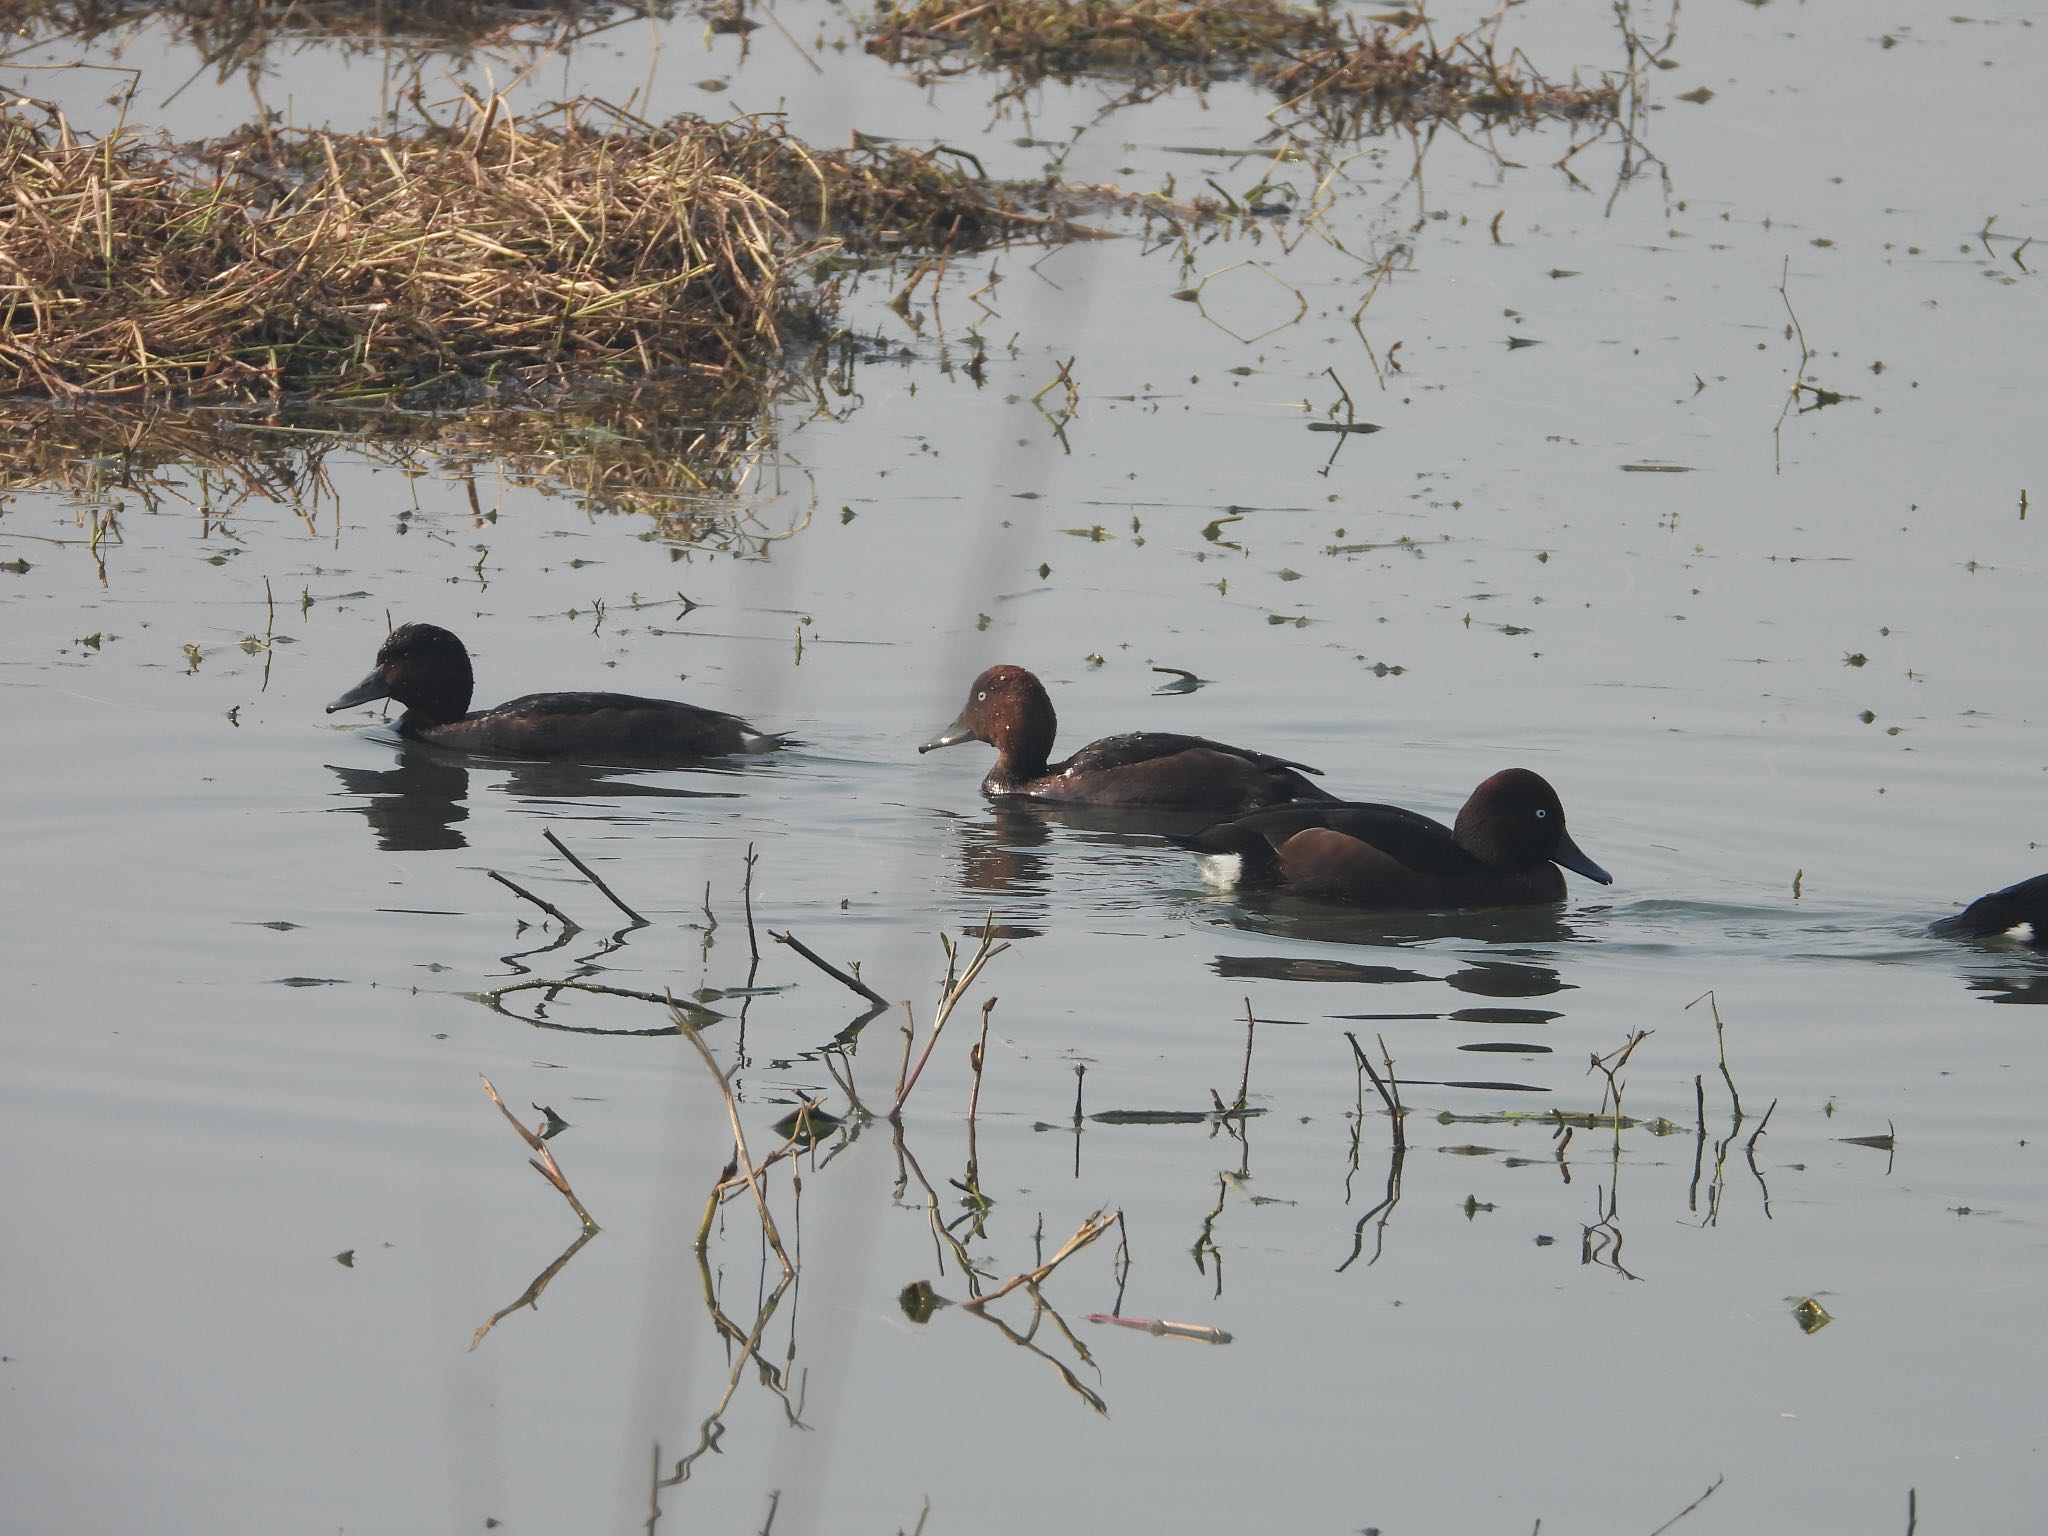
(423,667)
(1514,820)
(1009,709)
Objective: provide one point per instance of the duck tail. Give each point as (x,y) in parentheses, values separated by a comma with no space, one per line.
(1234,855)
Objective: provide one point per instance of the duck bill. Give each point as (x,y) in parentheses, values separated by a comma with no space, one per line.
(1569,855)
(371,687)
(951,736)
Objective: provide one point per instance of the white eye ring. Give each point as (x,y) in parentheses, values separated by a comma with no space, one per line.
(1542,814)
(981,697)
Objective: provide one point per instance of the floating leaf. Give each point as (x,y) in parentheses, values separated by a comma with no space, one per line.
(1810,1315)
(919,1301)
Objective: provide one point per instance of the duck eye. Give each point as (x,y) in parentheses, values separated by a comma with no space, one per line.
(981,697)
(1542,814)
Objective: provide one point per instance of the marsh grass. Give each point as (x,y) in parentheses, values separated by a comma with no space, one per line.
(231,35)
(1344,77)
(420,266)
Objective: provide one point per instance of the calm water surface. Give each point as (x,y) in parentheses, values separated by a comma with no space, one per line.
(1778,671)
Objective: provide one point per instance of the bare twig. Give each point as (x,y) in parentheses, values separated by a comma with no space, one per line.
(546,906)
(1389,1091)
(829,968)
(543,1160)
(747,898)
(699,1014)
(978,1060)
(1750,1145)
(592,876)
(1087,1232)
(739,1139)
(1695,1504)
(1244,1083)
(1721,1040)
(987,951)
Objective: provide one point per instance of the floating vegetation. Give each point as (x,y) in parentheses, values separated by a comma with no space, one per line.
(1365,81)
(1060,39)
(425,265)
(233,34)
(1347,77)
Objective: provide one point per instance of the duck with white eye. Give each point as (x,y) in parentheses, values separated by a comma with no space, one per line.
(1506,849)
(1009,709)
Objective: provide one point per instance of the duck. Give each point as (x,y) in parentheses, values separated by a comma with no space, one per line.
(426,668)
(2018,907)
(1009,709)
(1505,850)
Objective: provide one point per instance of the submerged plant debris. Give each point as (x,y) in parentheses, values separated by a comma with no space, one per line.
(481,251)
(668,451)
(233,34)
(1347,76)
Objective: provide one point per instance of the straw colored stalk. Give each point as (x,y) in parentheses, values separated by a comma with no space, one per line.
(494,252)
(1057,36)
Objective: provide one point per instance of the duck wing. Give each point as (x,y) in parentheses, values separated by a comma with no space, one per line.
(1165,770)
(1412,840)
(1135,747)
(602,727)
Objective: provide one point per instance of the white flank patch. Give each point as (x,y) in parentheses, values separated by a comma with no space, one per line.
(1221,871)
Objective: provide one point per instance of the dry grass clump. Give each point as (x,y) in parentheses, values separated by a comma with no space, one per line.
(1365,81)
(487,250)
(1346,77)
(1062,38)
(232,33)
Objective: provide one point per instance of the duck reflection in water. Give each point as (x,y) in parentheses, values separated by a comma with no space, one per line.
(1007,851)
(1284,914)
(419,804)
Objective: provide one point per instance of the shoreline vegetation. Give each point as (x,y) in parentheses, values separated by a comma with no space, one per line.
(608,304)
(232,35)
(479,250)
(1339,76)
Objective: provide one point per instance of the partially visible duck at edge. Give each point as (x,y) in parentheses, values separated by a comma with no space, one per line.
(1156,770)
(1504,851)
(426,669)
(2020,910)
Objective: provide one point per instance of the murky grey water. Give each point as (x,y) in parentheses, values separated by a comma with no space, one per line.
(245,941)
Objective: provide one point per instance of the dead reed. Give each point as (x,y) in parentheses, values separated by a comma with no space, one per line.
(1347,78)
(1063,38)
(232,34)
(429,265)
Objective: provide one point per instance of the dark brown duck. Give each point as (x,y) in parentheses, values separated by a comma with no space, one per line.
(1009,709)
(1504,851)
(426,669)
